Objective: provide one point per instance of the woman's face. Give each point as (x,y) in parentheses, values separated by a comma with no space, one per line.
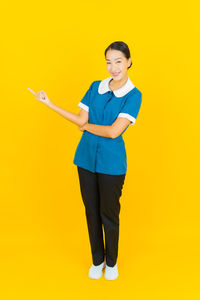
(117,64)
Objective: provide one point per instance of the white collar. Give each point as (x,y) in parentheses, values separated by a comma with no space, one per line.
(104,87)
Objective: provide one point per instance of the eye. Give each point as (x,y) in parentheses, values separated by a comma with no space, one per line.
(117,62)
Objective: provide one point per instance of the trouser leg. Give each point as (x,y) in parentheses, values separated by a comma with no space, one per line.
(90,195)
(110,189)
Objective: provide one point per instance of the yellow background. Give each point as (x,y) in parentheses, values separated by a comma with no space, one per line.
(59,47)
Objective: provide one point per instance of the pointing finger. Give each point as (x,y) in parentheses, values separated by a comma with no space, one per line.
(32,91)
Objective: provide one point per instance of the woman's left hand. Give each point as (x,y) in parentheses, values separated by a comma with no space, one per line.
(83,127)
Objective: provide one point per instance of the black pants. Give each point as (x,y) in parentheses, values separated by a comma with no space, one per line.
(101,193)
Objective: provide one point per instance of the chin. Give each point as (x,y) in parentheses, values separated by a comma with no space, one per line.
(118,78)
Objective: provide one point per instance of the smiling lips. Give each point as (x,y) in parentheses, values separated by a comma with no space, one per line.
(116,74)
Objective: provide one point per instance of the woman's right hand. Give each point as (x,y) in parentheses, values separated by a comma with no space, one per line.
(42,97)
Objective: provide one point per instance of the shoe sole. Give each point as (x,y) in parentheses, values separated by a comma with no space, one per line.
(111,278)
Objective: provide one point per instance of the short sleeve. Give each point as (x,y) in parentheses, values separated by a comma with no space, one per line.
(85,102)
(131,107)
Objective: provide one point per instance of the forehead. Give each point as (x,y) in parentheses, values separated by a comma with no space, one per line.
(114,54)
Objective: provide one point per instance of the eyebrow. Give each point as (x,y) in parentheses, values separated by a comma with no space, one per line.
(115,58)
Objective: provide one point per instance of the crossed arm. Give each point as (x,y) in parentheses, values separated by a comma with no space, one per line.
(81,119)
(111,131)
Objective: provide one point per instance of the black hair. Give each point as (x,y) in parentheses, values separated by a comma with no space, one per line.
(121,46)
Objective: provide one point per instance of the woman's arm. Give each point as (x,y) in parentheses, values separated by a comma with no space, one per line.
(78,119)
(110,131)
(97,129)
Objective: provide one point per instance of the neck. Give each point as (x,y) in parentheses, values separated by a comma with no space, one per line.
(118,83)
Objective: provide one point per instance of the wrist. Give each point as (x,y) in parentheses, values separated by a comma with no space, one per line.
(86,126)
(50,104)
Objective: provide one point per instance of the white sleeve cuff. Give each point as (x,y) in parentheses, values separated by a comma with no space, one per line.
(127,116)
(83,106)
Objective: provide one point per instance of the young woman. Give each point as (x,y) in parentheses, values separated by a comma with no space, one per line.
(107,109)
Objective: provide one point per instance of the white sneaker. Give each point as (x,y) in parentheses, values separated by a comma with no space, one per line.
(95,272)
(111,273)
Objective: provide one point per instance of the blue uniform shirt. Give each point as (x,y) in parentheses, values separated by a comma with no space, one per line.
(102,154)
